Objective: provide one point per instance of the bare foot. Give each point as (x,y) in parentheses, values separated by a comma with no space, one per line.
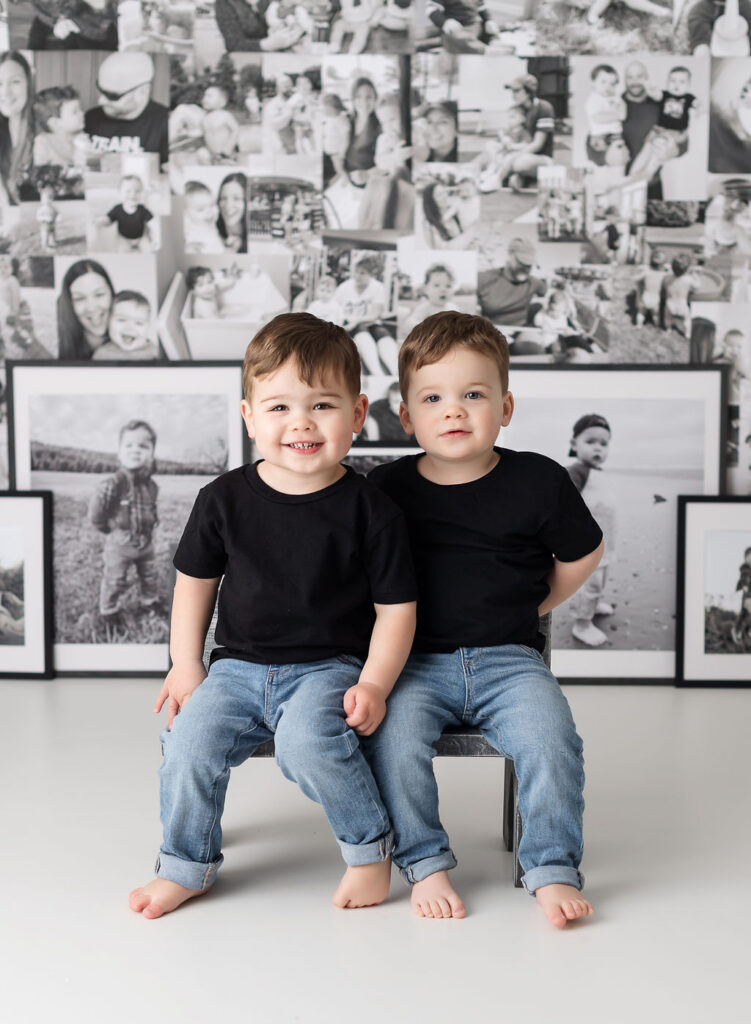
(588,633)
(435,896)
(364,885)
(562,903)
(160,897)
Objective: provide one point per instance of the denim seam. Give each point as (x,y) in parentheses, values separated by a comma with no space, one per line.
(214,786)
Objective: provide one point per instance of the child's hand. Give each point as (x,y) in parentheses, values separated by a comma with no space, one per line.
(178,687)
(365,706)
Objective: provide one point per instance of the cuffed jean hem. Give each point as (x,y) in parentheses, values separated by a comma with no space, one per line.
(550,874)
(355,855)
(422,868)
(191,874)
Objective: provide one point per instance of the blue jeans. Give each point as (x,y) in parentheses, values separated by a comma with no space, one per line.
(239,706)
(514,699)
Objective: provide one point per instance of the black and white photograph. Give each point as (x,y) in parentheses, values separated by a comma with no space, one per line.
(156,26)
(365,131)
(228,299)
(125,201)
(601,424)
(285,206)
(642,121)
(561,204)
(382,424)
(449,208)
(714,591)
(499,28)
(44,25)
(430,282)
(358,289)
(124,449)
(605,27)
(28,328)
(730,116)
(26,585)
(106,307)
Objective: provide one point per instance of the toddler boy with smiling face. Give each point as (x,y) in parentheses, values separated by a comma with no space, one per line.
(316,618)
(499,538)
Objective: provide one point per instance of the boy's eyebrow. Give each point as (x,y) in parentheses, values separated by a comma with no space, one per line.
(317,394)
(472,384)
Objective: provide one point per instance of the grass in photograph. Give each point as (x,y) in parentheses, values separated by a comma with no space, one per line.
(563,28)
(77,560)
(718,638)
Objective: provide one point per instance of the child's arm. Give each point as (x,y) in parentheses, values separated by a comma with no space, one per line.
(390,643)
(566,578)
(192,608)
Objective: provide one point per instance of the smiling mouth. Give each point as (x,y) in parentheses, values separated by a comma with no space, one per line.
(305,446)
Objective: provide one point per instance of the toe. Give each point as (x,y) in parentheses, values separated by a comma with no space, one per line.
(556,917)
(137,900)
(153,910)
(457,908)
(418,910)
(444,906)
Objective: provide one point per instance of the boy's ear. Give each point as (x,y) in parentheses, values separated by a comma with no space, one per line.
(508,409)
(361,411)
(405,419)
(248,417)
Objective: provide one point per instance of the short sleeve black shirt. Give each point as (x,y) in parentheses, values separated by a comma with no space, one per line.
(674,111)
(301,571)
(130,225)
(146,133)
(483,550)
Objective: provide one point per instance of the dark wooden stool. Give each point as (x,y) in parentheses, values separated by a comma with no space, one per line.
(461,742)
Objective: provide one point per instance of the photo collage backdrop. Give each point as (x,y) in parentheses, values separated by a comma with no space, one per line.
(174,173)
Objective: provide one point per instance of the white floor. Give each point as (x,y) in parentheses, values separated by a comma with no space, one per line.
(668,835)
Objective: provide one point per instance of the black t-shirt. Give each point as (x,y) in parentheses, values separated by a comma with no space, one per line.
(130,225)
(301,571)
(146,133)
(641,115)
(674,111)
(483,550)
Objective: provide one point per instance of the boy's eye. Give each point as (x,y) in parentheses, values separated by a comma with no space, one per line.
(474,394)
(277,408)
(323,405)
(432,398)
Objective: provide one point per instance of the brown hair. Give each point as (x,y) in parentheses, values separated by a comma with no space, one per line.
(317,346)
(438,334)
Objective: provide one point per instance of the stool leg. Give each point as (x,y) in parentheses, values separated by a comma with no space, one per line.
(508,803)
(517,832)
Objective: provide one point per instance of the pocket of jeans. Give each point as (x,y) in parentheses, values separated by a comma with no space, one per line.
(532,650)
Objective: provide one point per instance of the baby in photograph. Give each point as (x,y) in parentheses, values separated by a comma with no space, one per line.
(206,291)
(128,329)
(124,509)
(437,289)
(325,306)
(677,291)
(741,628)
(495,163)
(590,446)
(649,280)
(199,219)
(665,138)
(47,215)
(354,19)
(466,25)
(58,117)
(606,112)
(131,217)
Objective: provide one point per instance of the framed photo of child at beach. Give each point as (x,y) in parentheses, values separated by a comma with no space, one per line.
(713,627)
(124,448)
(26,585)
(633,438)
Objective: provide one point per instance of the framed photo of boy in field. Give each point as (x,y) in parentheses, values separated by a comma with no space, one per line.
(713,629)
(124,448)
(633,438)
(26,585)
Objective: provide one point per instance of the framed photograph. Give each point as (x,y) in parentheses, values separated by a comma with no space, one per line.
(124,448)
(713,627)
(660,434)
(26,585)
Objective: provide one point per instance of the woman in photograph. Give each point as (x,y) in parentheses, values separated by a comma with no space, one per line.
(442,225)
(359,158)
(232,222)
(730,119)
(439,134)
(16,128)
(83,309)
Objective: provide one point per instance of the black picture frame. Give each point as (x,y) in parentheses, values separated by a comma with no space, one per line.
(87,646)
(32,657)
(707,572)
